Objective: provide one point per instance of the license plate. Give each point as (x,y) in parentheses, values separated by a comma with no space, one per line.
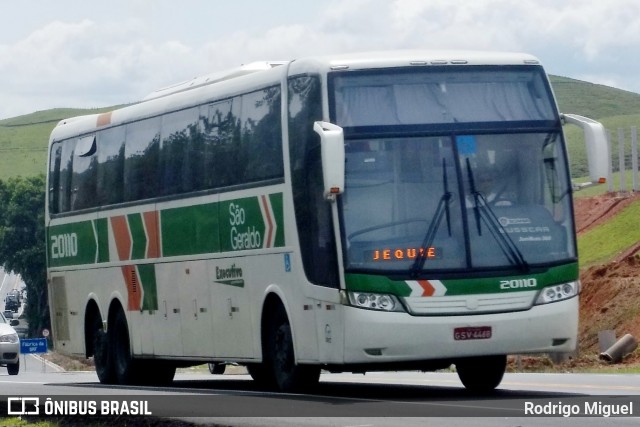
(472,333)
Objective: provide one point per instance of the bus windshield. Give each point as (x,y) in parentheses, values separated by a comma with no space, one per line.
(457,95)
(482,195)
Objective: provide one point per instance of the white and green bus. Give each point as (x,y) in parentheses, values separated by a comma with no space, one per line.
(383,211)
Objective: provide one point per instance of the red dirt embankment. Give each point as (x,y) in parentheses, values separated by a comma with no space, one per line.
(610,296)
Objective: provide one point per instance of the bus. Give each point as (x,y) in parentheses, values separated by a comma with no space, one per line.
(406,210)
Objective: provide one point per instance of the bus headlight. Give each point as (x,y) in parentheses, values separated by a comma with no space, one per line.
(382,302)
(558,292)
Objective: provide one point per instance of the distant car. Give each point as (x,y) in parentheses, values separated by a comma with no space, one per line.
(12,303)
(9,345)
(8,314)
(16,293)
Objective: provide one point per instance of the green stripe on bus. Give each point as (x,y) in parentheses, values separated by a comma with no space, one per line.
(277,205)
(138,236)
(72,244)
(469,286)
(241,224)
(147,273)
(190,230)
(102,228)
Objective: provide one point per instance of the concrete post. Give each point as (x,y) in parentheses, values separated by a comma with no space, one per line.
(621,162)
(634,156)
(616,352)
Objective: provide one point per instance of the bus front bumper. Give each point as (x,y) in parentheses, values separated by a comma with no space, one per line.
(383,337)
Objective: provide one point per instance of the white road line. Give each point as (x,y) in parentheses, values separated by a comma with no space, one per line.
(4,280)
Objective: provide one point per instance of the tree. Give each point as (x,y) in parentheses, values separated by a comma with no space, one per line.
(22,243)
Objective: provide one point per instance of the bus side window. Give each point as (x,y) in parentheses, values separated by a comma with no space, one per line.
(312,212)
(261,143)
(179,157)
(66,172)
(217,123)
(110,178)
(141,171)
(54,177)
(83,179)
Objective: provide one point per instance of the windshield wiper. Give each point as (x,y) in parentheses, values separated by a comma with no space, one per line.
(434,225)
(482,211)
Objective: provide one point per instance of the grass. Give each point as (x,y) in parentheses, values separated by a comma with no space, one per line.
(593,100)
(597,190)
(603,243)
(24,140)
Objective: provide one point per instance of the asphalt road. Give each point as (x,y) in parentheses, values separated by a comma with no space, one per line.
(376,399)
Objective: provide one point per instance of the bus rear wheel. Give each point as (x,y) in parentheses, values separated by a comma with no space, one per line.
(481,374)
(280,358)
(102,354)
(123,363)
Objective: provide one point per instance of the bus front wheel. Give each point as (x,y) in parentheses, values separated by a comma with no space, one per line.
(481,374)
(286,374)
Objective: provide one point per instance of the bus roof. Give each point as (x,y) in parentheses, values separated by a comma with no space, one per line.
(406,58)
(212,78)
(224,83)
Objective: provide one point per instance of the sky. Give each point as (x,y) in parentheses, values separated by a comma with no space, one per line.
(86,54)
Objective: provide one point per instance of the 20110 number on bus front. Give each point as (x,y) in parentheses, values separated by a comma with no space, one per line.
(472,333)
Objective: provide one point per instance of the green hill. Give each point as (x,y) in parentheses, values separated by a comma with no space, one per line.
(23,139)
(614,108)
(593,100)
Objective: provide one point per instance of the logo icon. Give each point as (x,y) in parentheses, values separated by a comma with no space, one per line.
(23,406)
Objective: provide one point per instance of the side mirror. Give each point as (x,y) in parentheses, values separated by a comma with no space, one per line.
(14,322)
(595,139)
(333,158)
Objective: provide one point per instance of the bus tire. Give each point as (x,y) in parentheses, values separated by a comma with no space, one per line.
(481,374)
(287,375)
(102,358)
(123,362)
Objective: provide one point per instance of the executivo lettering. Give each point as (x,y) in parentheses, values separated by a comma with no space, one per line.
(231,276)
